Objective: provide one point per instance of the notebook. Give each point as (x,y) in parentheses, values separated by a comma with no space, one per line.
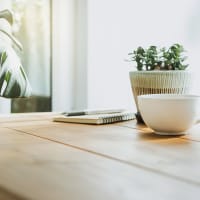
(97,118)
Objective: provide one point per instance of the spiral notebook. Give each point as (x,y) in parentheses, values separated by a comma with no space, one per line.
(97,118)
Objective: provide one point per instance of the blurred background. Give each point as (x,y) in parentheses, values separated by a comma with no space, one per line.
(75,50)
(32,27)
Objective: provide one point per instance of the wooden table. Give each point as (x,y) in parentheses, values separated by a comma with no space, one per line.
(45,160)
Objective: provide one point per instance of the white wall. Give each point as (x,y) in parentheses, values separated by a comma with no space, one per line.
(115,27)
(92,38)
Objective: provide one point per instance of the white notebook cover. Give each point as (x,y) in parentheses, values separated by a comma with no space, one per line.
(96,119)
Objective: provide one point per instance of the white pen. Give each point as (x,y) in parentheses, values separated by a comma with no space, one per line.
(93,112)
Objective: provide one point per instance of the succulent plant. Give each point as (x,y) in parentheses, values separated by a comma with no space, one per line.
(153,58)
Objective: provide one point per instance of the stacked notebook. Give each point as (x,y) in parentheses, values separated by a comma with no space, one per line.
(96,118)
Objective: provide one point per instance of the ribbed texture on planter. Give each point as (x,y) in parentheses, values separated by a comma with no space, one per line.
(159,82)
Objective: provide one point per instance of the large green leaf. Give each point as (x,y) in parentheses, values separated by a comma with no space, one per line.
(13,80)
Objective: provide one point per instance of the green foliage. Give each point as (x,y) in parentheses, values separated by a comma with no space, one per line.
(13,80)
(153,58)
(3,58)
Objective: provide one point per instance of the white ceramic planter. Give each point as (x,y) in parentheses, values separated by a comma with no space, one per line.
(159,82)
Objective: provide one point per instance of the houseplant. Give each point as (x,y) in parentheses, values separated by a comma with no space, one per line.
(159,70)
(13,80)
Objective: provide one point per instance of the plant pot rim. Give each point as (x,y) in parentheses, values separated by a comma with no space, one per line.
(159,71)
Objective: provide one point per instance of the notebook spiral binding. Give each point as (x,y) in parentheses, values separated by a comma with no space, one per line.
(116,118)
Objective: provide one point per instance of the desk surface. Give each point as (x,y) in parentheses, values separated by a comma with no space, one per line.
(45,160)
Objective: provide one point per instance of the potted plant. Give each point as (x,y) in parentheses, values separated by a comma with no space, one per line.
(159,70)
(13,80)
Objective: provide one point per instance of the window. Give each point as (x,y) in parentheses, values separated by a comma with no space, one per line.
(32,28)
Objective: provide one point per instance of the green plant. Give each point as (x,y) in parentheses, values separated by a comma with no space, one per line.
(13,80)
(154,58)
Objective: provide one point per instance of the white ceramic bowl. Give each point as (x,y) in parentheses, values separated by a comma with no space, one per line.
(169,114)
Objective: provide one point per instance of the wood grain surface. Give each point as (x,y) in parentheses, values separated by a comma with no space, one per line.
(41,159)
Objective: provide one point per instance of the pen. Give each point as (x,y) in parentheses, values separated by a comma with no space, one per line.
(93,112)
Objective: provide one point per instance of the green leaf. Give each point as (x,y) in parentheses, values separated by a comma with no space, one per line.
(3,58)
(13,80)
(22,72)
(7,76)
